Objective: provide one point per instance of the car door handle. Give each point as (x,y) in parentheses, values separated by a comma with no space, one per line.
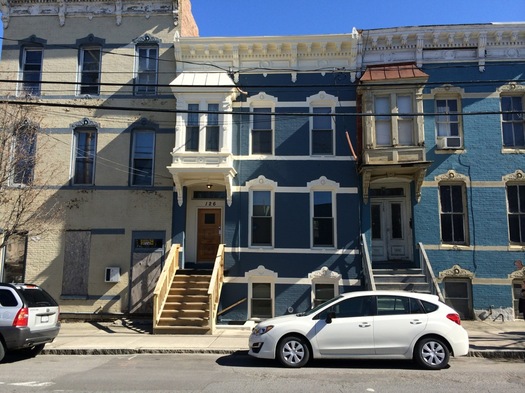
(364,324)
(416,322)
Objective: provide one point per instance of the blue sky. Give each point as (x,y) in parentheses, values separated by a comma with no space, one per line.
(219,18)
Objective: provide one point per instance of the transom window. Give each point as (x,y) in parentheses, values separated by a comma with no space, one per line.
(322,131)
(262,131)
(453,214)
(143,158)
(261,218)
(85,145)
(516,213)
(146,74)
(394,119)
(322,219)
(512,121)
(32,70)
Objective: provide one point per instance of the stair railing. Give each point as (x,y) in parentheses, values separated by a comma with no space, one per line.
(370,283)
(162,289)
(214,290)
(429,273)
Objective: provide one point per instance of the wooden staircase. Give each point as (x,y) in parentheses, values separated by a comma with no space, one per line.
(187,308)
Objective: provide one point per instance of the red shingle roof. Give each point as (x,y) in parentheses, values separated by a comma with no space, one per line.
(391,72)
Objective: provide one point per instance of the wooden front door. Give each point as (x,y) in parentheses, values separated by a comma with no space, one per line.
(208,234)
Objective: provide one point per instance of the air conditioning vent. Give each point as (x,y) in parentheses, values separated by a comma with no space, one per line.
(449,142)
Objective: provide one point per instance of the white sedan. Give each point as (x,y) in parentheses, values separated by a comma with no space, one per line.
(365,325)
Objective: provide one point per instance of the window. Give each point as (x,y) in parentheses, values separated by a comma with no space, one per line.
(90,60)
(322,132)
(516,213)
(142,158)
(448,123)
(15,259)
(395,305)
(453,214)
(32,70)
(146,76)
(512,123)
(84,156)
(322,293)
(323,220)
(457,292)
(23,155)
(262,221)
(262,131)
(192,128)
(261,300)
(349,308)
(394,122)
(212,128)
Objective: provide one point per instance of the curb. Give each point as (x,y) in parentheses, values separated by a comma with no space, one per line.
(488,354)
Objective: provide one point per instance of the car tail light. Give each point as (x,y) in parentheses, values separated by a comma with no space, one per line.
(22,318)
(454,318)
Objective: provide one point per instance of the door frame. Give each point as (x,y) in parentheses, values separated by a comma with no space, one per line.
(406,203)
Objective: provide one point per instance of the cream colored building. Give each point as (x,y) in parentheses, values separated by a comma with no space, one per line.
(99,72)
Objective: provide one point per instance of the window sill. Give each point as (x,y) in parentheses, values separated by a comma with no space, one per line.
(460,150)
(455,247)
(518,150)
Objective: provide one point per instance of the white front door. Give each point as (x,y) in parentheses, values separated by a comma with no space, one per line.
(390,229)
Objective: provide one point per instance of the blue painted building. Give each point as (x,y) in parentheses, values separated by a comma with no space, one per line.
(402,144)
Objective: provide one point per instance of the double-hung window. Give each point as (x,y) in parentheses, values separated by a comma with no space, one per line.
(192,128)
(261,218)
(448,123)
(516,213)
(85,146)
(146,70)
(322,131)
(212,128)
(32,70)
(512,122)
(23,155)
(262,131)
(453,213)
(143,158)
(89,65)
(394,120)
(322,219)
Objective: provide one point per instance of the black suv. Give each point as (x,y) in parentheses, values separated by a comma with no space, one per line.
(29,318)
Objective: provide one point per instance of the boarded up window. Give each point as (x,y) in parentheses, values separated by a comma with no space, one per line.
(76,263)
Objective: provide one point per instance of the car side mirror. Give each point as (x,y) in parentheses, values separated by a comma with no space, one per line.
(329,317)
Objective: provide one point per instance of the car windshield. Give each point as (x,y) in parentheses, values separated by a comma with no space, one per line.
(320,306)
(35,297)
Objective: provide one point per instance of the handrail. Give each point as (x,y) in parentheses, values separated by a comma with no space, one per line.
(214,290)
(367,265)
(232,306)
(429,273)
(163,286)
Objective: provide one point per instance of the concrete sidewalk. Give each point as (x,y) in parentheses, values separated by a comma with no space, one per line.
(487,339)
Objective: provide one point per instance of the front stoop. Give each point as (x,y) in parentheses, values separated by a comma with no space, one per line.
(187,307)
(409,279)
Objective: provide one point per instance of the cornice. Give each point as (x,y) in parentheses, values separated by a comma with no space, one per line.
(90,9)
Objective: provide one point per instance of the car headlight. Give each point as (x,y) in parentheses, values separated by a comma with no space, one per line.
(260,330)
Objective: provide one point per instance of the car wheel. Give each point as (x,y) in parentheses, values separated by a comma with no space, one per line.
(34,350)
(2,351)
(432,353)
(293,351)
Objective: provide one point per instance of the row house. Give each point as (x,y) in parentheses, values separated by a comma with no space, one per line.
(94,77)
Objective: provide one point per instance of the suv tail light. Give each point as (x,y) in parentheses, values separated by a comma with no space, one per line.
(454,318)
(22,318)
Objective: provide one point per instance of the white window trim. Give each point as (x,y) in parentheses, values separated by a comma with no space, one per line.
(323,184)
(512,179)
(81,70)
(261,184)
(324,100)
(262,100)
(463,185)
(138,47)
(21,90)
(449,92)
(511,89)
(261,275)
(324,276)
(133,134)
(74,155)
